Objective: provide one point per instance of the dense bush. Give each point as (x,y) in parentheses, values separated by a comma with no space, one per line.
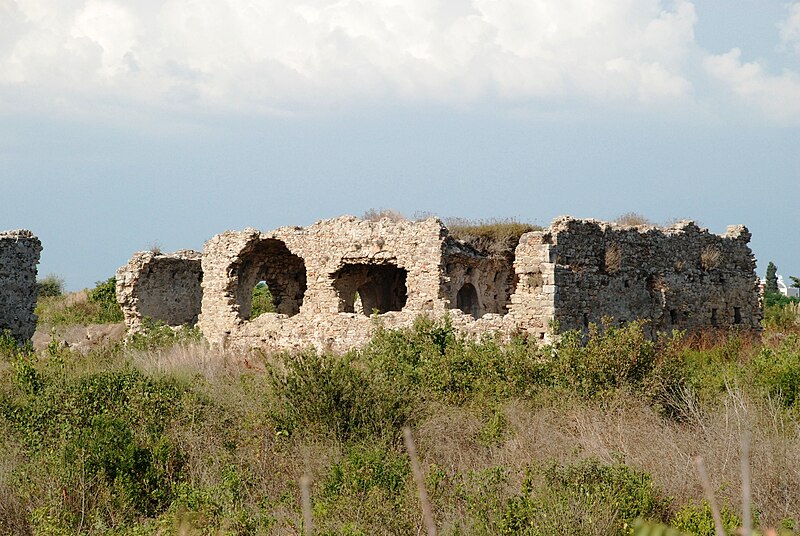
(611,496)
(261,302)
(100,436)
(99,306)
(515,437)
(50,286)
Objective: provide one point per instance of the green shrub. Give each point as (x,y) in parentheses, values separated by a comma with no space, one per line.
(697,519)
(325,392)
(104,294)
(261,301)
(781,313)
(50,286)
(431,360)
(617,357)
(99,307)
(155,334)
(580,494)
(10,347)
(375,479)
(101,438)
(778,372)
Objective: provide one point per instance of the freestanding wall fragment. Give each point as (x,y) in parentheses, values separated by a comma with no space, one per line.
(161,287)
(19,255)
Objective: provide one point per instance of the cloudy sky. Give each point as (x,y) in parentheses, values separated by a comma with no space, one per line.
(125,125)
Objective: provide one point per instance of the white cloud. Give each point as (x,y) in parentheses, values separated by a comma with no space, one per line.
(790,28)
(285,54)
(777,96)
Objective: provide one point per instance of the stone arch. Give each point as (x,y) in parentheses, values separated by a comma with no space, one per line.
(467,300)
(374,287)
(270,261)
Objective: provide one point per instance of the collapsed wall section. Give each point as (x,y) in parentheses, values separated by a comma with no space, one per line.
(162,287)
(681,277)
(19,256)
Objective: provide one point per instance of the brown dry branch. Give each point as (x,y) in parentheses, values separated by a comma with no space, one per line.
(419,478)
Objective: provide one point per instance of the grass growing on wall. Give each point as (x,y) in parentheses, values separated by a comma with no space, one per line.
(168,436)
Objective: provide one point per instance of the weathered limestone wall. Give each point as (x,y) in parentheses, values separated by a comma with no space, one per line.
(350,268)
(19,255)
(161,287)
(681,277)
(477,284)
(328,280)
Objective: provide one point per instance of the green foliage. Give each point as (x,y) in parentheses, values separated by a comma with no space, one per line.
(777,371)
(697,519)
(365,469)
(50,286)
(100,436)
(99,307)
(332,394)
(104,294)
(155,334)
(782,313)
(776,299)
(374,478)
(10,348)
(261,301)
(614,495)
(771,279)
(617,357)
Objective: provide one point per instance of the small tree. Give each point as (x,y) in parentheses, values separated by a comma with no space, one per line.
(771,283)
(795,281)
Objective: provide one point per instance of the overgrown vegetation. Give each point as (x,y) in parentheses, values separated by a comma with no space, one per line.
(493,236)
(94,306)
(262,301)
(592,435)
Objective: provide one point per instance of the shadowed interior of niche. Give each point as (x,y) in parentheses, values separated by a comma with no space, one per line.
(368,288)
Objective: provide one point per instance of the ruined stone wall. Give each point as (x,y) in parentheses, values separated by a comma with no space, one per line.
(475,283)
(351,269)
(161,287)
(19,255)
(681,277)
(329,279)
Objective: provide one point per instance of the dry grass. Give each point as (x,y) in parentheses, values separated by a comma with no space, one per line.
(373,214)
(628,430)
(633,219)
(493,236)
(710,258)
(612,262)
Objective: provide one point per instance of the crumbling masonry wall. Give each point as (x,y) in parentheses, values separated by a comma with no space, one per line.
(350,269)
(682,277)
(331,279)
(19,256)
(161,287)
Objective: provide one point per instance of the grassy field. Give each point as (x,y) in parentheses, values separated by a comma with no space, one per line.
(164,435)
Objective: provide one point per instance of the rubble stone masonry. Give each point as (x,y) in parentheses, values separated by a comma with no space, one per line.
(19,256)
(335,282)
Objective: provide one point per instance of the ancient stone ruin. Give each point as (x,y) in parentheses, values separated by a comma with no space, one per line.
(19,256)
(335,282)
(161,287)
